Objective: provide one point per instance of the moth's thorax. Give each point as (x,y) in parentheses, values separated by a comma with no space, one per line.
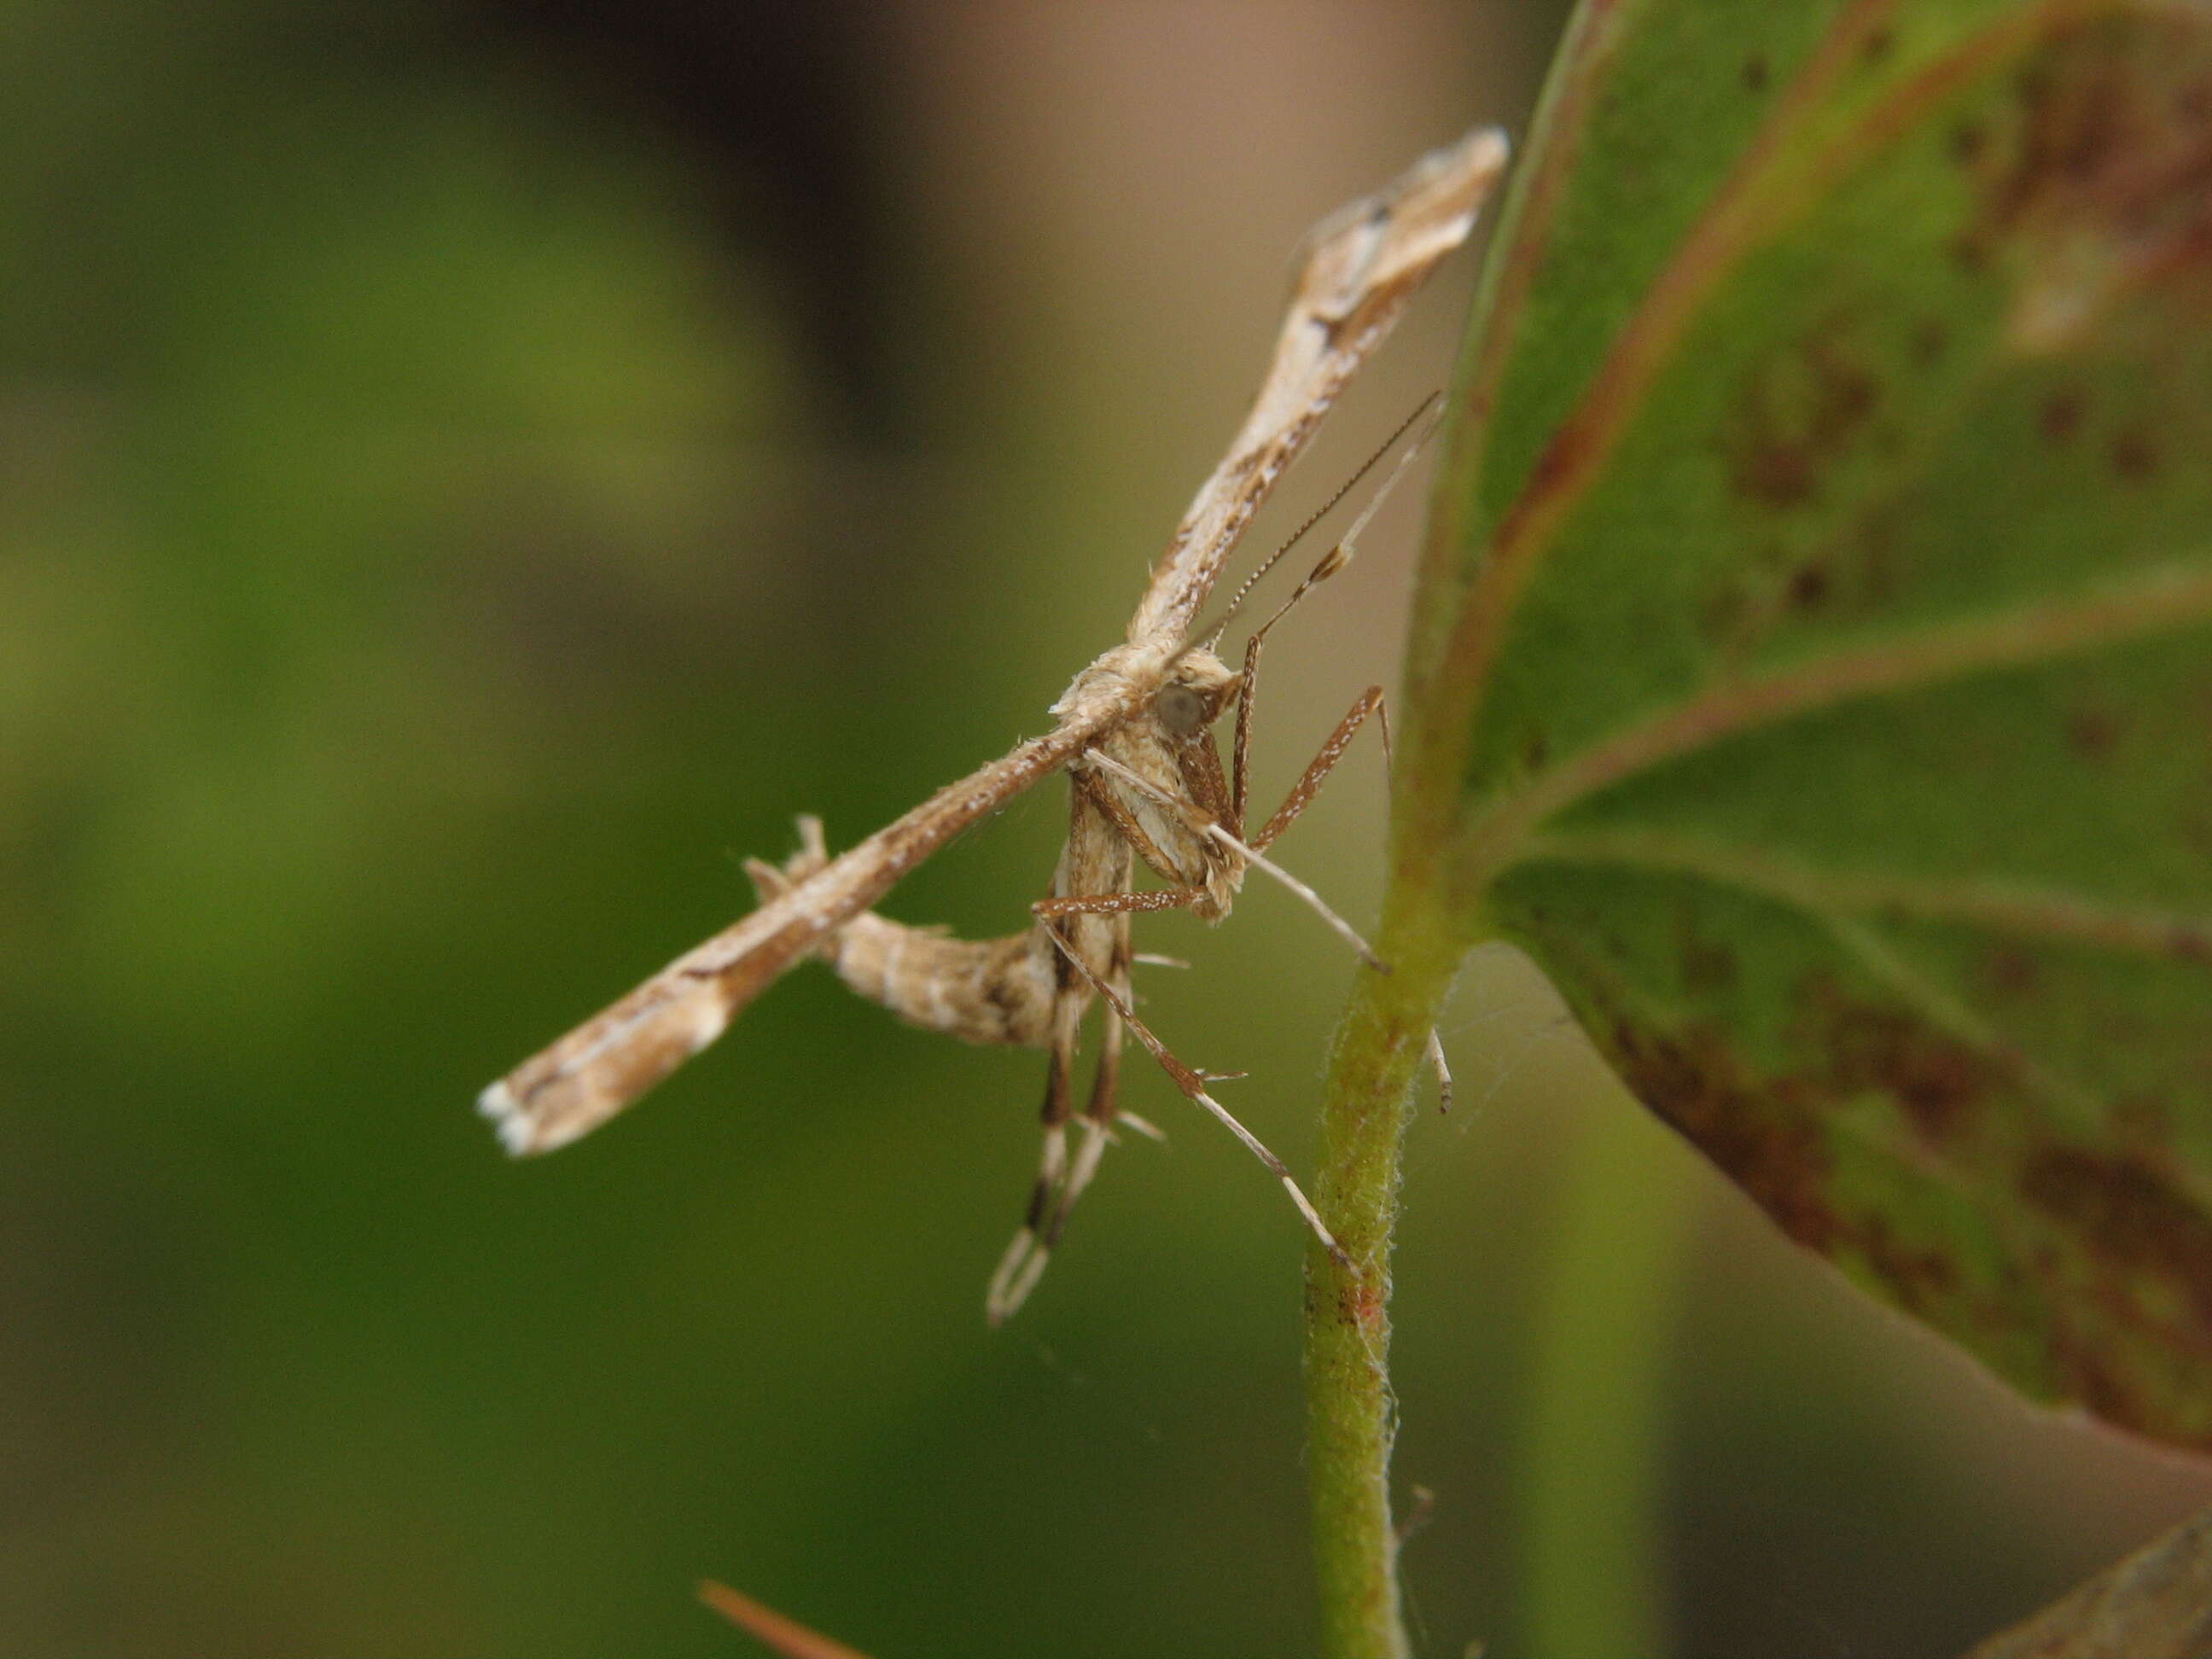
(1168,743)
(1201,685)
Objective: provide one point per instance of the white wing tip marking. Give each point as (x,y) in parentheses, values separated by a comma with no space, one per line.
(515,1130)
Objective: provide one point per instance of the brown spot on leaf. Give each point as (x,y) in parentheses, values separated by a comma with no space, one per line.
(1707,967)
(1969,142)
(1940,1082)
(1801,410)
(1876,546)
(2060,417)
(2095,1382)
(1878,45)
(1930,340)
(2114,1293)
(1755,73)
(2135,457)
(1769,1148)
(2143,1120)
(2134,1288)
(1725,616)
(2132,1217)
(1922,1280)
(2011,973)
(1808,586)
(1764,1135)
(2104,178)
(2093,734)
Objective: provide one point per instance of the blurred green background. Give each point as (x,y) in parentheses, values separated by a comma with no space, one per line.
(469,473)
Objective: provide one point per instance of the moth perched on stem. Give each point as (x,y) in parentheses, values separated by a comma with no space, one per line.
(1133,731)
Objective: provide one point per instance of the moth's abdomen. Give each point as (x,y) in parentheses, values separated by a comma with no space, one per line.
(992,990)
(989,990)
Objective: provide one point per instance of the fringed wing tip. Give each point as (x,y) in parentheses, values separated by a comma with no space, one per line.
(1487,147)
(1463,172)
(516,1131)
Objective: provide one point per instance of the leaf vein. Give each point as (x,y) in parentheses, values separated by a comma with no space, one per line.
(2160,599)
(2018,909)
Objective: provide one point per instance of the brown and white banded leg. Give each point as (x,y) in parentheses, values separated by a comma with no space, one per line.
(1428,417)
(1019,989)
(1053,1200)
(1193,1085)
(1101,1112)
(1443,1068)
(1025,1259)
(1096,856)
(1372,700)
(1366,704)
(1067,1170)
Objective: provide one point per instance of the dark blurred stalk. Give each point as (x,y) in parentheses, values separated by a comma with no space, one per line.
(1597,1405)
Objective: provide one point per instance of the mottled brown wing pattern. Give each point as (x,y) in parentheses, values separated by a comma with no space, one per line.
(1357,270)
(1361,265)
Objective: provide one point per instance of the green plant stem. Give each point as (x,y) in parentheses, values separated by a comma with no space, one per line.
(1350,1414)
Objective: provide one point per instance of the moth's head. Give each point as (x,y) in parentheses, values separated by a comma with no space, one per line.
(1196,690)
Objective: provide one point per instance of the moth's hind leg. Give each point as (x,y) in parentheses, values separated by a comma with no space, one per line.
(1063,1174)
(1025,1260)
(1190,1081)
(1101,1111)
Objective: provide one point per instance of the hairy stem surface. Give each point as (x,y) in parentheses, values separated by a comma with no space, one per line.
(1350,1414)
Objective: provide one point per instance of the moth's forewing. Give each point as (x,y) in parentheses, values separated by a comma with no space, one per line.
(587,1076)
(1359,268)
(1360,265)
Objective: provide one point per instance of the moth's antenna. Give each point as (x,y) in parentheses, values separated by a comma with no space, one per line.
(1340,555)
(1425,406)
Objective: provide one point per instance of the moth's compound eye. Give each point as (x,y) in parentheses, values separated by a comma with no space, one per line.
(1179,708)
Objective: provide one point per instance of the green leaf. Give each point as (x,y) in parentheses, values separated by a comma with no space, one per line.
(1815,669)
